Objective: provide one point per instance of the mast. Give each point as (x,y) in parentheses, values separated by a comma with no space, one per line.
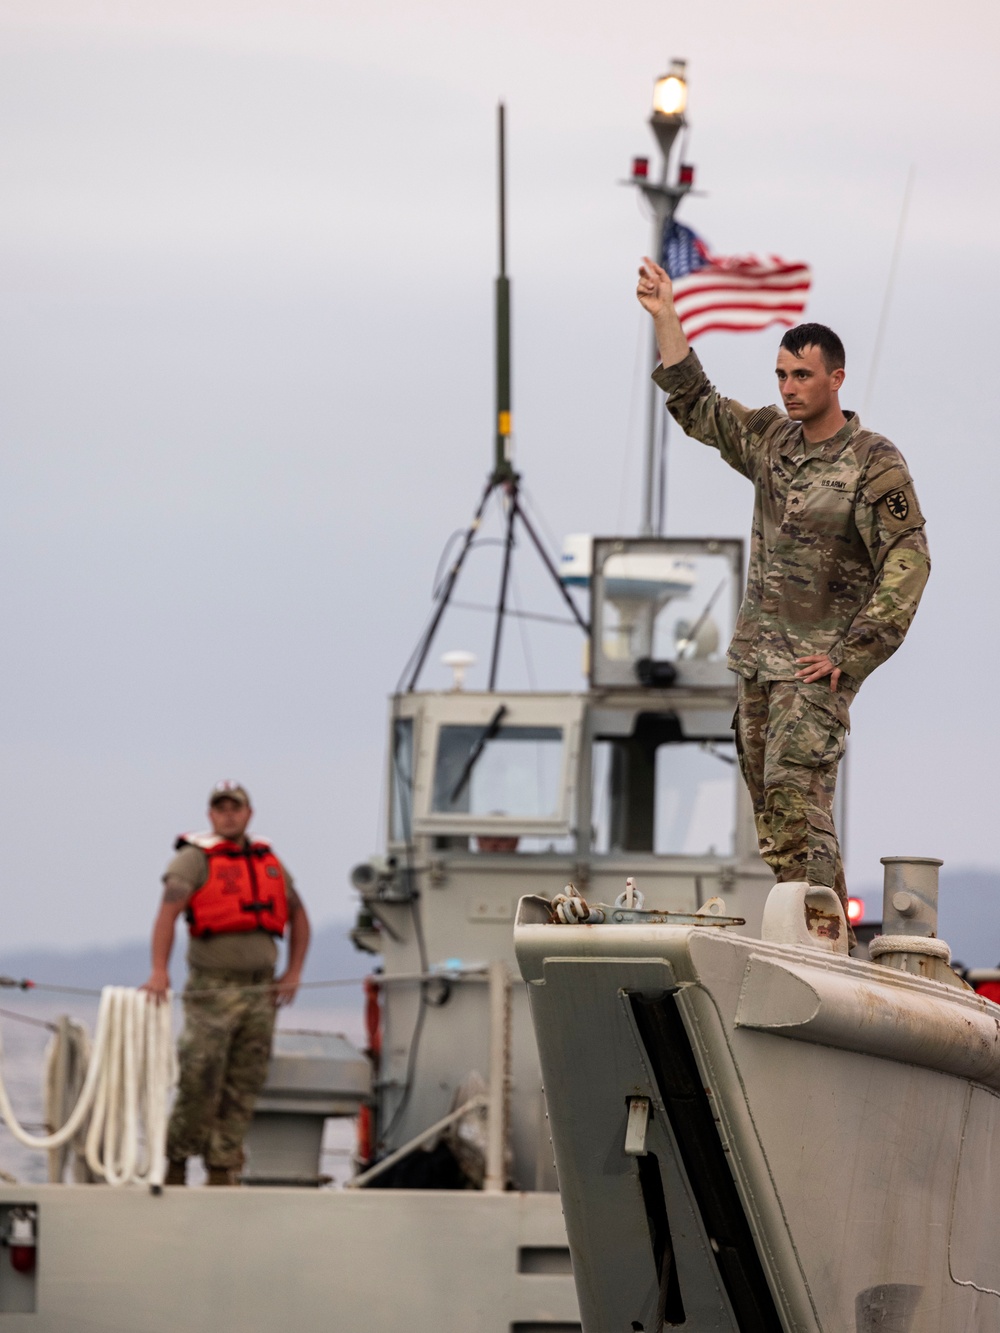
(666,122)
(502,468)
(503,477)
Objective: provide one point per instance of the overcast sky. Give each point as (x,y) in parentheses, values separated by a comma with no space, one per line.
(246,263)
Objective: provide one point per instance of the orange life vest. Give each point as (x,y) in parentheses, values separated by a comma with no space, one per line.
(245,889)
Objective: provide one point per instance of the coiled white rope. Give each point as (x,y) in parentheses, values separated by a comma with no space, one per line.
(67,1060)
(132,1070)
(919,944)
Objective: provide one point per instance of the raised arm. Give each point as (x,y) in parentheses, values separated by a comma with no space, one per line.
(656,294)
(697,407)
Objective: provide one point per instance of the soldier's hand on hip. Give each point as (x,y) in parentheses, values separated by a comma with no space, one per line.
(815,668)
(654,291)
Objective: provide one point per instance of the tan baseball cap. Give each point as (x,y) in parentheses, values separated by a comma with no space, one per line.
(228,791)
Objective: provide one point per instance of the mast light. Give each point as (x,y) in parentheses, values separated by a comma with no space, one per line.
(670,91)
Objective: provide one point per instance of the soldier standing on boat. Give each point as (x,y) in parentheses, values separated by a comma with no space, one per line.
(238,898)
(838,561)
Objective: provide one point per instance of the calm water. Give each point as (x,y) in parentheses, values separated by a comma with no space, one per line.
(24,1046)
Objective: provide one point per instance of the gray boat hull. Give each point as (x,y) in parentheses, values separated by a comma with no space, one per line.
(213,1260)
(821,1153)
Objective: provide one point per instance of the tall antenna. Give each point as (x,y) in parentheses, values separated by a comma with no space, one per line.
(502,467)
(503,478)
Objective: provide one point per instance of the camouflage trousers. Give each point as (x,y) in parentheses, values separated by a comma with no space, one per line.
(790,738)
(223,1052)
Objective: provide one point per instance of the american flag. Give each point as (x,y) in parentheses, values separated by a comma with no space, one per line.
(736,295)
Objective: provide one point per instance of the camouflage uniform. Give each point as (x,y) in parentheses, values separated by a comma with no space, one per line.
(790,737)
(226,1043)
(838,561)
(224,1052)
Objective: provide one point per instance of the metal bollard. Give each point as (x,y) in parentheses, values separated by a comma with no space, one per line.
(910,895)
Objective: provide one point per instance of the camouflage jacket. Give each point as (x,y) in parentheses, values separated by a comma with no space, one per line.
(838,556)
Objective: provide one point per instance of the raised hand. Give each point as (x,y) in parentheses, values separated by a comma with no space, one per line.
(654,290)
(656,294)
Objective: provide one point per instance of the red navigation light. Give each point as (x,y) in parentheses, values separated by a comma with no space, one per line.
(21,1238)
(686,176)
(23,1258)
(855,911)
(640,168)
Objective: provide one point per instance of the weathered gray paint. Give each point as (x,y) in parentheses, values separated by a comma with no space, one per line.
(203,1261)
(862,1150)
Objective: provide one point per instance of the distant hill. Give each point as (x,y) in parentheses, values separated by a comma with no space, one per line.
(332,956)
(968,915)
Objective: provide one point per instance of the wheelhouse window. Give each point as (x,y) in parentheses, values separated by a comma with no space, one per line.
(401,785)
(695,812)
(513,771)
(659,791)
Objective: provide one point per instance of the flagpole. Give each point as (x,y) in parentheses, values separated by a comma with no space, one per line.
(662,215)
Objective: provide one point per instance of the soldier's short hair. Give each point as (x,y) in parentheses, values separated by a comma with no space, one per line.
(816,335)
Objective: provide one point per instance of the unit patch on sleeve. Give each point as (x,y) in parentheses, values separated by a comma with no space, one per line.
(897,504)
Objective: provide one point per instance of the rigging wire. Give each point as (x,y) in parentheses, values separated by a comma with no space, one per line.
(520,615)
(473,546)
(539,514)
(443,558)
(24,1018)
(92,993)
(415,662)
(883,318)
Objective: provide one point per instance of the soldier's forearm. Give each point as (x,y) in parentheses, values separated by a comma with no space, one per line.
(298,941)
(670,339)
(880,627)
(163,939)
